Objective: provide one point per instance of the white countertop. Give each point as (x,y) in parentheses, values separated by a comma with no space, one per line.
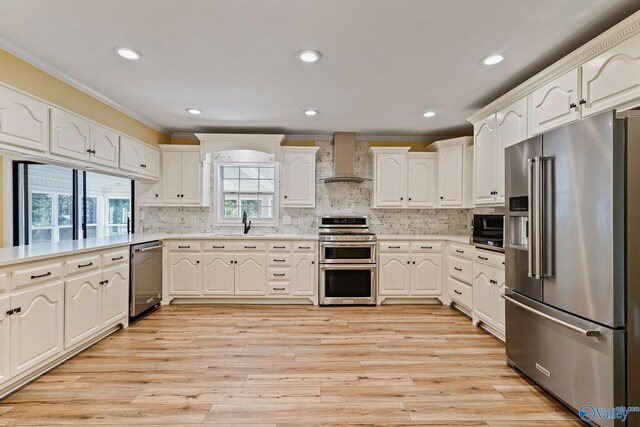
(457,238)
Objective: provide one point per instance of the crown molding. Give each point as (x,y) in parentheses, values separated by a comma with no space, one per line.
(329,137)
(611,37)
(184,135)
(54,71)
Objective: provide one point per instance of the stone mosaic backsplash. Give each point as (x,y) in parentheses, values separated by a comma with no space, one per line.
(331,199)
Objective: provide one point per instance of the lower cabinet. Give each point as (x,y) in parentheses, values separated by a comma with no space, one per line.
(185,274)
(37,326)
(115,294)
(412,274)
(304,274)
(425,274)
(488,305)
(5,339)
(394,274)
(250,274)
(218,274)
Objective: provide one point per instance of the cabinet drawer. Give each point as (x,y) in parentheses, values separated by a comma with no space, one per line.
(279,246)
(394,246)
(462,251)
(279,260)
(252,246)
(279,287)
(36,274)
(279,274)
(489,258)
(81,264)
(426,247)
(219,246)
(461,269)
(185,246)
(461,293)
(115,257)
(305,247)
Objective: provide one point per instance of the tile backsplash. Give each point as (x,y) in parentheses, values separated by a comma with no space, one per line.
(331,199)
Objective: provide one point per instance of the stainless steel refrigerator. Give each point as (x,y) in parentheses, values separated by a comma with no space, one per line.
(573,263)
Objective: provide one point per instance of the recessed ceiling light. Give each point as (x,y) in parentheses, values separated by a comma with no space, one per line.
(310,112)
(429,114)
(309,56)
(493,59)
(194,111)
(127,53)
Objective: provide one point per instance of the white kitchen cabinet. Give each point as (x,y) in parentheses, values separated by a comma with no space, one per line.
(104,146)
(394,277)
(455,165)
(425,274)
(139,158)
(484,293)
(511,124)
(218,274)
(612,78)
(5,339)
(250,274)
(298,168)
(37,326)
(421,180)
(185,273)
(82,308)
(390,177)
(70,135)
(554,104)
(150,193)
(485,160)
(185,178)
(24,121)
(115,294)
(304,274)
(500,314)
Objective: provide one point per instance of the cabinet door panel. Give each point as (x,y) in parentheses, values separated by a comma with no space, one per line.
(130,155)
(69,135)
(24,121)
(298,176)
(394,274)
(390,180)
(218,274)
(450,168)
(37,330)
(150,193)
(106,144)
(484,294)
(190,179)
(511,123)
(151,161)
(82,308)
(304,274)
(421,182)
(485,160)
(551,105)
(425,278)
(5,339)
(250,274)
(500,287)
(115,294)
(185,274)
(612,78)
(171,177)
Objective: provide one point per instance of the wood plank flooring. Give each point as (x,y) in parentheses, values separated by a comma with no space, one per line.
(290,365)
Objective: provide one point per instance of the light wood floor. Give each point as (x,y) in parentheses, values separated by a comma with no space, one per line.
(279,365)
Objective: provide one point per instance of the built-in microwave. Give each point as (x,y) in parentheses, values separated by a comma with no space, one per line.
(487,228)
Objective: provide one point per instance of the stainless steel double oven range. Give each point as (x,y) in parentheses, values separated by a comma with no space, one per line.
(347,265)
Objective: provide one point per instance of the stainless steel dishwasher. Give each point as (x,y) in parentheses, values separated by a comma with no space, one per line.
(146,277)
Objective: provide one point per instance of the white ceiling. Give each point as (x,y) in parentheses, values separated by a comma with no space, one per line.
(385,62)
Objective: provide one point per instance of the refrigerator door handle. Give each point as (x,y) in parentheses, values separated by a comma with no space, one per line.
(538,214)
(531,222)
(585,332)
(543,259)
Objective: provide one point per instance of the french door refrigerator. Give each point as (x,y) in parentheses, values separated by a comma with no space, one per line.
(573,263)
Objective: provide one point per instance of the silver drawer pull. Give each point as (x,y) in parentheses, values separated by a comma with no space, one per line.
(40,276)
(278,274)
(85,265)
(249,247)
(184,247)
(585,332)
(117,258)
(457,292)
(278,289)
(457,269)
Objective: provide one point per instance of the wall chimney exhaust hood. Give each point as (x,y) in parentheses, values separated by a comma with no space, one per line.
(344,159)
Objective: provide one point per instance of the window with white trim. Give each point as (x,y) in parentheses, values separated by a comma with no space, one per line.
(250,188)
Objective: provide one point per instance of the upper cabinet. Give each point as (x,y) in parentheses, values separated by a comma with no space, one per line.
(554,104)
(422,180)
(298,169)
(24,121)
(455,166)
(70,135)
(389,176)
(139,158)
(612,78)
(185,178)
(105,146)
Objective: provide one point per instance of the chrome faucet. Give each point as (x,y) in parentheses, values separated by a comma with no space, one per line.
(247,226)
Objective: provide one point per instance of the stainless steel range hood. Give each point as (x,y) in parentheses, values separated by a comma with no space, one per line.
(344,159)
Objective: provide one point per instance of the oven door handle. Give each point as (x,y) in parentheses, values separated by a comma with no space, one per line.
(348,244)
(347,266)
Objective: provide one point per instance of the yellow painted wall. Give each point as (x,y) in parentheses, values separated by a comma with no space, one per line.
(24,76)
(185,141)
